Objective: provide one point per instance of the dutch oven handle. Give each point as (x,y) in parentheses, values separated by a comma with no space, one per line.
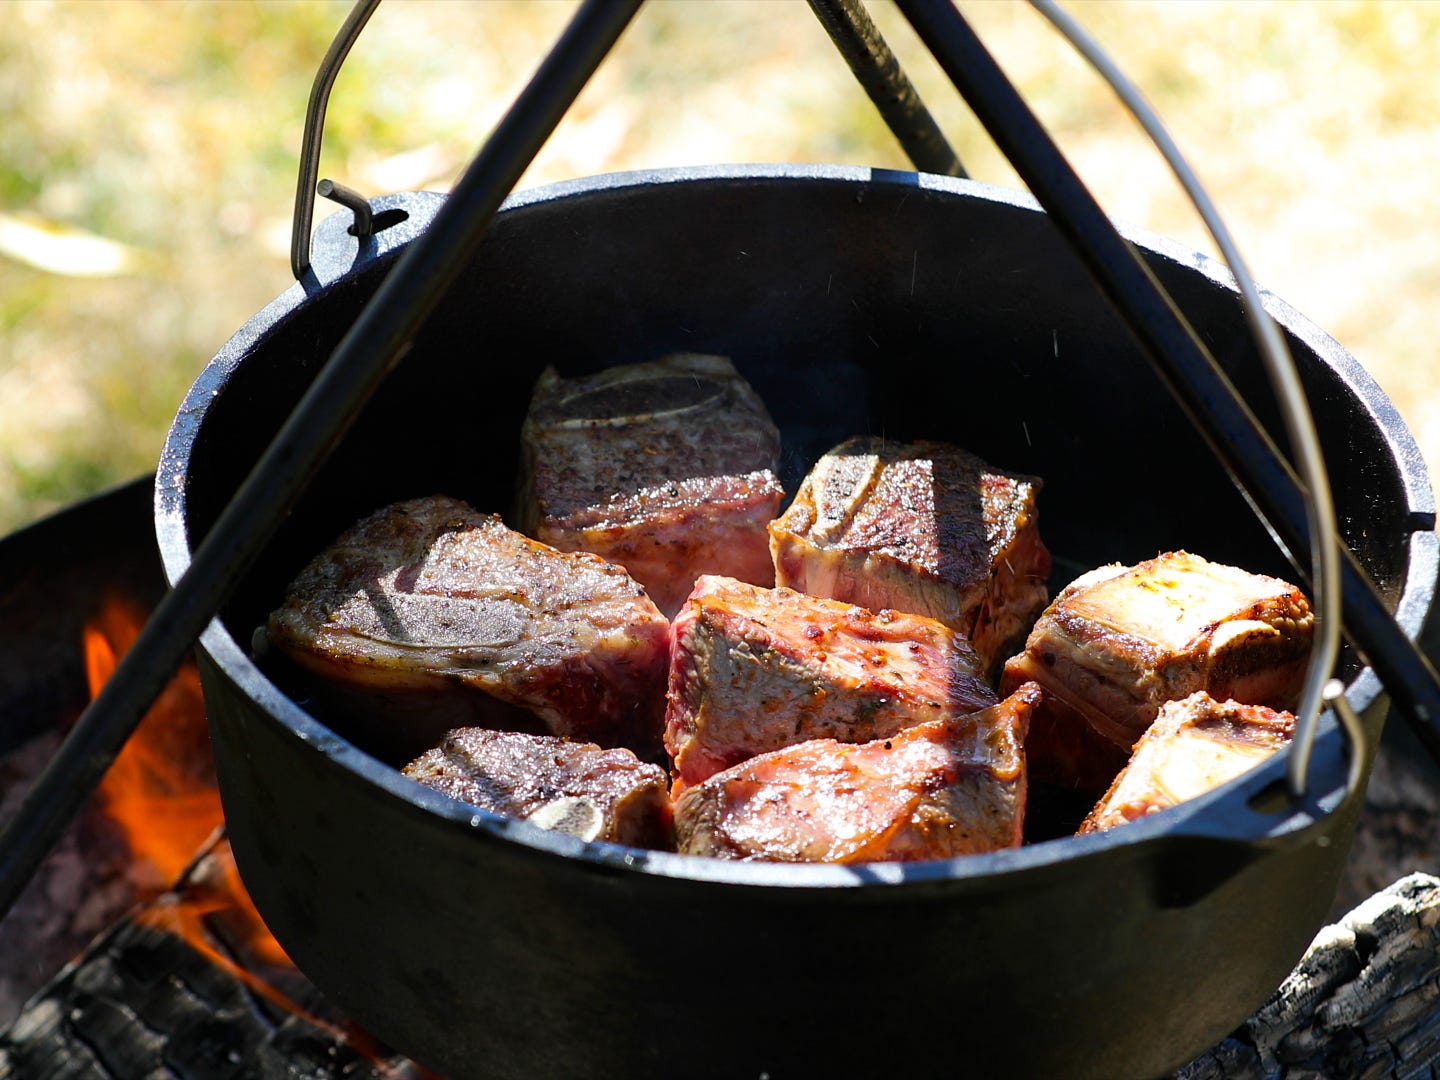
(854,35)
(306,187)
(370,218)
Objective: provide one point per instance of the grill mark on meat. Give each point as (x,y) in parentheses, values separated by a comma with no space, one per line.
(842,484)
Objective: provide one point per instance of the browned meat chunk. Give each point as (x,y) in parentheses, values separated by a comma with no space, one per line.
(572,787)
(1194,745)
(752,670)
(947,787)
(667,468)
(922,527)
(1119,642)
(428,616)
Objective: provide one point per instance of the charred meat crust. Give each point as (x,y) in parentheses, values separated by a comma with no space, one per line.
(429,596)
(756,669)
(948,787)
(572,787)
(1194,745)
(667,468)
(924,527)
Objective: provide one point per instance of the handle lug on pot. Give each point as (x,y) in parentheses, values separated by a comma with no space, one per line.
(340,247)
(352,200)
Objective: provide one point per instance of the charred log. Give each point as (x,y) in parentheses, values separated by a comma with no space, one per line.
(143,1001)
(1362,1003)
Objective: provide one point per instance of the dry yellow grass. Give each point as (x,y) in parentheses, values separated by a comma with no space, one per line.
(170,130)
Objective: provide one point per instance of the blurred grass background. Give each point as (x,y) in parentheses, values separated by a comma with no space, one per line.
(148,154)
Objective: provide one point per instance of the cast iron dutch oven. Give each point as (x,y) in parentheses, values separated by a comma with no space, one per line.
(854,301)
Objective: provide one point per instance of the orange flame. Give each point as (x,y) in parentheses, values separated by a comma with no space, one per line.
(161,790)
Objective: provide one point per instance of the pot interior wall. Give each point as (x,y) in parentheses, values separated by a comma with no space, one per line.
(881,308)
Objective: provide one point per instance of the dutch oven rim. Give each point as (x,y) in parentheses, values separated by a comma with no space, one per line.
(338,257)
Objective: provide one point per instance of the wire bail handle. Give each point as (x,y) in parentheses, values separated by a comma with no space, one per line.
(306,188)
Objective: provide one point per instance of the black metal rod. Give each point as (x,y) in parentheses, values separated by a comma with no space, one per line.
(879,73)
(1191,372)
(369,351)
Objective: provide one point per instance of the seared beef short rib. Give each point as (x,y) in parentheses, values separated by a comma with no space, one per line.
(429,615)
(667,468)
(1119,642)
(924,527)
(948,787)
(571,787)
(1194,745)
(753,670)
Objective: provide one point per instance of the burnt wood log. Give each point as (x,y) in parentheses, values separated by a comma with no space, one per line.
(1363,1003)
(142,1001)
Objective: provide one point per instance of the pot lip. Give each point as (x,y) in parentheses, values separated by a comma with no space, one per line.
(1186,820)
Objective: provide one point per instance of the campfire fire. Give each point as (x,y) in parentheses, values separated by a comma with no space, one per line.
(161,789)
(161,794)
